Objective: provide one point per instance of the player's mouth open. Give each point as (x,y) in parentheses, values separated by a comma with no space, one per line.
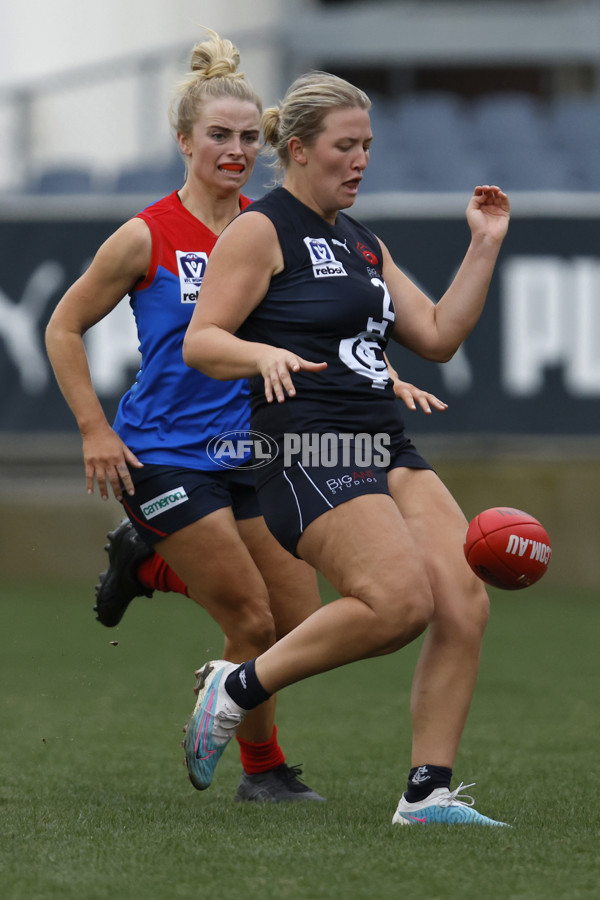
(232,167)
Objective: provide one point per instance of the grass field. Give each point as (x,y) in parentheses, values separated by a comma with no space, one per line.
(94,801)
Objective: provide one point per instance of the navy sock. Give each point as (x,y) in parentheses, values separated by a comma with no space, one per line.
(422,780)
(244,688)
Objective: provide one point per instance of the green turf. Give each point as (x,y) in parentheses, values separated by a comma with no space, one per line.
(94,801)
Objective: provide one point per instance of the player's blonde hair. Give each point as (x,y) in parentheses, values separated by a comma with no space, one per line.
(213,74)
(302,111)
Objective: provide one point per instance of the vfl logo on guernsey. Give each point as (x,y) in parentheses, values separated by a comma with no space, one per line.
(164,502)
(191,266)
(322,257)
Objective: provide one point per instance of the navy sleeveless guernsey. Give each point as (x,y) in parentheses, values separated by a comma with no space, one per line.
(329,304)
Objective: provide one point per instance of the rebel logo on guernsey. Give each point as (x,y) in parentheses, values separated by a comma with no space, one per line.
(324,263)
(164,502)
(190,266)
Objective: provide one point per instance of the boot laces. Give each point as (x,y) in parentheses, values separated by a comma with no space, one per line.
(453,796)
(290,775)
(289,772)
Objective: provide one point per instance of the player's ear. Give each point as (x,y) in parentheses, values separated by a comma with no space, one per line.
(184,144)
(297,151)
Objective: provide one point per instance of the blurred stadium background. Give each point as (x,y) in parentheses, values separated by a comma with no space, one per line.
(463,93)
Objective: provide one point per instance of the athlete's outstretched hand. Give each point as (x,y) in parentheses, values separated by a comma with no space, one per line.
(107,460)
(414,396)
(411,395)
(276,366)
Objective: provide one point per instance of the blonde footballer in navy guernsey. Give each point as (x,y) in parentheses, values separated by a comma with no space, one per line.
(302,300)
(329,303)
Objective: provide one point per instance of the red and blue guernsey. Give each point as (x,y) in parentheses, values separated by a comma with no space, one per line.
(171,412)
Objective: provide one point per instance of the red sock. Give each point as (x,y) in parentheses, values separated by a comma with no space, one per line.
(260,757)
(154,573)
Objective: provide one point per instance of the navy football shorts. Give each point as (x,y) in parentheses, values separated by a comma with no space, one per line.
(299,494)
(167,499)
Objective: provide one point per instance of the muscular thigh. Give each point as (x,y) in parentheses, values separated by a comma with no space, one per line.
(291,582)
(438,526)
(365,549)
(214,562)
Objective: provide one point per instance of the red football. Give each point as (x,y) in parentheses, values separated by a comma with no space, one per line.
(507,548)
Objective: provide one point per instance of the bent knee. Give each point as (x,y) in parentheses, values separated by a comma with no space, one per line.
(257,627)
(402,618)
(465,614)
(477,604)
(412,621)
(481,607)
(248,625)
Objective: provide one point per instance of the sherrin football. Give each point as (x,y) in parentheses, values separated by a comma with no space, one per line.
(507,548)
